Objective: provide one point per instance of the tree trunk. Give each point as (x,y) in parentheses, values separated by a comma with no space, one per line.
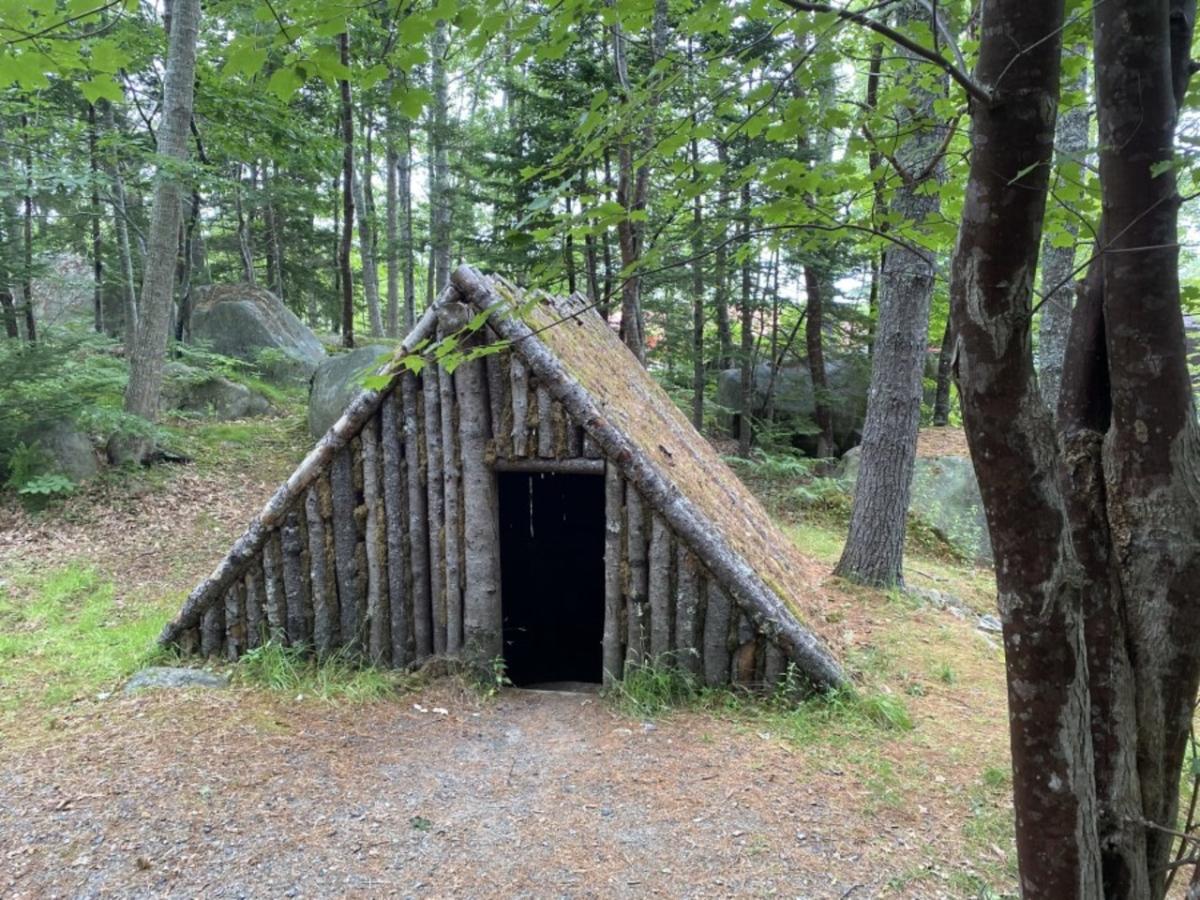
(941,398)
(440,198)
(746,412)
(27,273)
(874,551)
(121,223)
(274,238)
(245,241)
(721,267)
(97,257)
(158,280)
(814,324)
(366,249)
(698,376)
(1058,263)
(392,214)
(347,123)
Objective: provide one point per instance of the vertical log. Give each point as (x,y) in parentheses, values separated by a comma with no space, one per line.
(590,448)
(687,612)
(574,438)
(775,665)
(189,641)
(255,596)
(717,621)
(661,627)
(637,613)
(235,621)
(613,520)
(482,623)
(291,540)
(345,540)
(212,629)
(324,623)
(497,378)
(379,633)
(545,424)
(519,381)
(452,318)
(436,525)
(418,518)
(275,605)
(395,517)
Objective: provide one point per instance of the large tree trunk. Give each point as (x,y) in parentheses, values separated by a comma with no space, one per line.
(632,185)
(440,197)
(158,280)
(1058,263)
(347,123)
(874,551)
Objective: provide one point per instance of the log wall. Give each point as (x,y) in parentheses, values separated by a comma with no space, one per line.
(392,551)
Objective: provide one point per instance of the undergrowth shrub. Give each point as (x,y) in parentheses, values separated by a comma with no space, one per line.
(339,676)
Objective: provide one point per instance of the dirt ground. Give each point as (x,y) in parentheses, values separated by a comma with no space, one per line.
(448,793)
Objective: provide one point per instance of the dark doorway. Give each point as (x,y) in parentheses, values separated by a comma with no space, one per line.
(552,576)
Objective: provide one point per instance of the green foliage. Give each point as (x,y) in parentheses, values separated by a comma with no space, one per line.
(64,636)
(294,670)
(652,690)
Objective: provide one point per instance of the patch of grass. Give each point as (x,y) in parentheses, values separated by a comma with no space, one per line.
(648,691)
(64,635)
(292,670)
(243,442)
(944,672)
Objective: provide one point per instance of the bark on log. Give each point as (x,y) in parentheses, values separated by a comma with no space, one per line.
(659,590)
(752,593)
(495,378)
(551,466)
(324,608)
(744,656)
(574,438)
(482,621)
(395,518)
(717,620)
(613,539)
(687,611)
(775,666)
(235,621)
(275,606)
(545,423)
(452,318)
(590,448)
(436,526)
(418,518)
(345,541)
(636,618)
(519,381)
(251,542)
(212,630)
(291,541)
(255,596)
(379,632)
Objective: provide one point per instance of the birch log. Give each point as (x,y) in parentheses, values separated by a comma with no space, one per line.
(452,318)
(519,383)
(545,422)
(687,611)
(613,518)
(636,618)
(495,376)
(395,517)
(291,541)
(482,622)
(255,593)
(659,590)
(379,635)
(275,606)
(717,620)
(769,612)
(418,518)
(436,524)
(235,621)
(744,657)
(345,542)
(775,665)
(212,630)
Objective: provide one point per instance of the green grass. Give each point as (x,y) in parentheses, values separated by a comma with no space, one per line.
(63,635)
(291,670)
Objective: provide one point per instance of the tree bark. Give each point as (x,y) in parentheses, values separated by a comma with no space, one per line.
(721,266)
(366,250)
(392,214)
(440,198)
(158,280)
(874,551)
(746,411)
(94,211)
(814,323)
(941,397)
(698,373)
(347,123)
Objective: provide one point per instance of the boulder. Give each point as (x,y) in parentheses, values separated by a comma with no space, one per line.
(337,381)
(68,451)
(191,390)
(174,678)
(252,324)
(849,377)
(945,496)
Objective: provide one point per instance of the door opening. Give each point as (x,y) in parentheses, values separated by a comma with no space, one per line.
(552,577)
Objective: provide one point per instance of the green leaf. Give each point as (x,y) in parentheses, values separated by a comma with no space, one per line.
(413,100)
(102,87)
(284,82)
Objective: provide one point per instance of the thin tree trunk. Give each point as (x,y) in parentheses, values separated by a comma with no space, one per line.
(274,224)
(97,257)
(366,250)
(347,123)
(721,267)
(391,212)
(814,344)
(440,198)
(941,399)
(245,243)
(27,274)
(407,256)
(121,223)
(746,415)
(146,362)
(698,374)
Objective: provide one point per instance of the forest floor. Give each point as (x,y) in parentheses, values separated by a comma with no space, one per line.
(440,788)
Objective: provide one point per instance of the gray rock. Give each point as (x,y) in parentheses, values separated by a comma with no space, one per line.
(849,377)
(990,623)
(68,450)
(945,496)
(174,677)
(336,382)
(192,390)
(249,323)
